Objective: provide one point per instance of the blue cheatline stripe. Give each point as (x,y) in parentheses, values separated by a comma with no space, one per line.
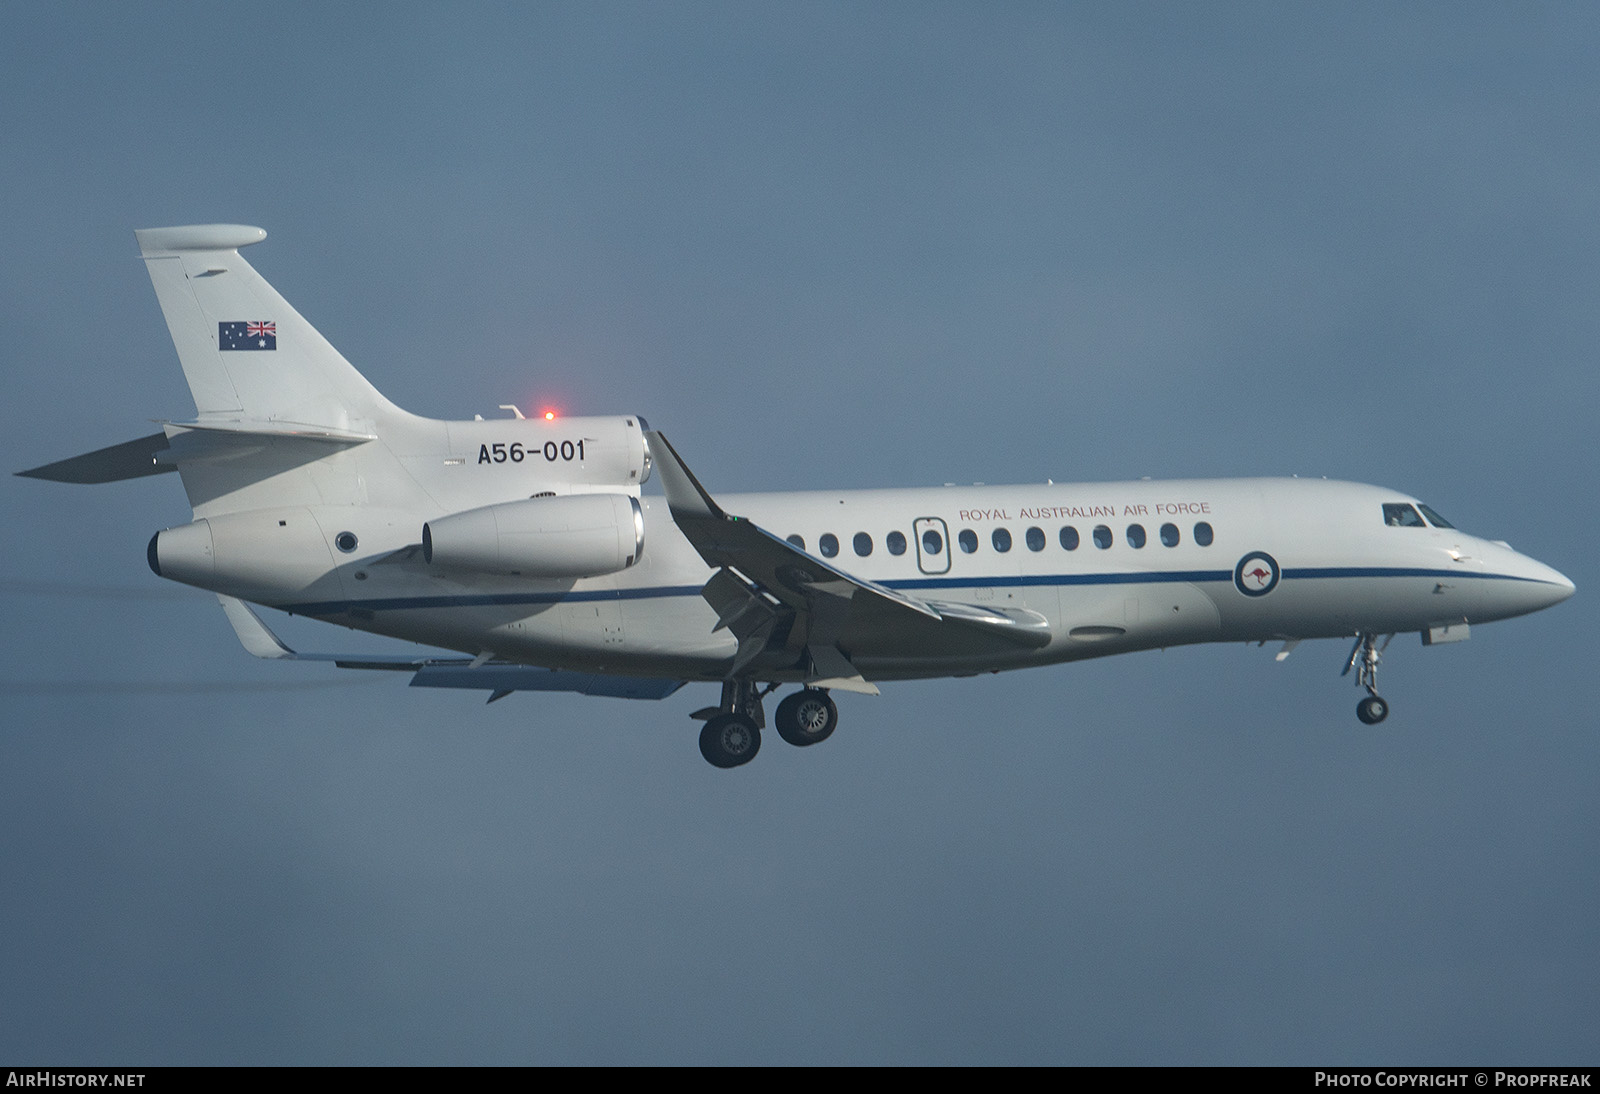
(491,600)
(1403,571)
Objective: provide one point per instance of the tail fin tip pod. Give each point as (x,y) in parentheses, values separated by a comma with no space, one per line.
(247,354)
(197,237)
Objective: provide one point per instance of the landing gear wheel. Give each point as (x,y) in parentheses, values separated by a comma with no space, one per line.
(729,740)
(806,717)
(1372,710)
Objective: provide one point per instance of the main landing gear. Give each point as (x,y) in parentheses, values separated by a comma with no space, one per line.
(1364,659)
(807,717)
(731,736)
(728,740)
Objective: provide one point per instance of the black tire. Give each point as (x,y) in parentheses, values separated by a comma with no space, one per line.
(729,740)
(806,717)
(1372,710)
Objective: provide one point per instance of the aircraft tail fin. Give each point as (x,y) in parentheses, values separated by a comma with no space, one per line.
(248,355)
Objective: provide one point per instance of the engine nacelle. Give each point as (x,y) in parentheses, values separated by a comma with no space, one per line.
(259,554)
(580,535)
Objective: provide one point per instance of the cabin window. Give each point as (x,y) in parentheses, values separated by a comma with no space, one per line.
(1069,538)
(829,544)
(1202,534)
(1102,536)
(862,544)
(968,540)
(1169,535)
(1400,515)
(1001,540)
(895,542)
(1135,535)
(932,542)
(798,540)
(1035,538)
(1434,518)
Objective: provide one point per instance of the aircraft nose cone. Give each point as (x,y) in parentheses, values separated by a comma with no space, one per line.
(1518,584)
(1561,587)
(1544,586)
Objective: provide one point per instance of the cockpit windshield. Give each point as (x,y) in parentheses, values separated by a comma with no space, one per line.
(1402,515)
(1434,518)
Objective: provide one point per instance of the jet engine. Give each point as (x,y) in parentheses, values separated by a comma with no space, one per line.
(580,535)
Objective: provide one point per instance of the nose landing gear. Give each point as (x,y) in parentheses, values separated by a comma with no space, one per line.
(1372,710)
(1364,659)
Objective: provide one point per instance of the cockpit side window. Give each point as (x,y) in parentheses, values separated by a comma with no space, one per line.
(1434,518)
(1402,515)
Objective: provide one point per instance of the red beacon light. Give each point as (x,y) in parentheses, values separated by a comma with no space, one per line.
(549,415)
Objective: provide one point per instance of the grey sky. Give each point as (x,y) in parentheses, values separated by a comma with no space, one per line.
(818,245)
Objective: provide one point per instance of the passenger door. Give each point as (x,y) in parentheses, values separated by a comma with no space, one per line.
(933,545)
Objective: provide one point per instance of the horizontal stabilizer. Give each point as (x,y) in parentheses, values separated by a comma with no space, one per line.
(193,442)
(128,460)
(280,446)
(278,431)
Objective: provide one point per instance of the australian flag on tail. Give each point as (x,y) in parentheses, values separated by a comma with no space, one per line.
(242,336)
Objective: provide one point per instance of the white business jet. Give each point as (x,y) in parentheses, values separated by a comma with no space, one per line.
(526,545)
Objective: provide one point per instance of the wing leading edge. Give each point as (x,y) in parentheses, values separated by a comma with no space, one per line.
(791,610)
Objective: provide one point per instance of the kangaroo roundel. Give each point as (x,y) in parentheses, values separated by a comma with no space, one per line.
(1257,574)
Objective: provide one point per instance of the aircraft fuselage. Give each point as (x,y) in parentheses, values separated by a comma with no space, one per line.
(1182,561)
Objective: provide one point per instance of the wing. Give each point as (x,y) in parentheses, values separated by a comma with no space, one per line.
(793,611)
(499,678)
